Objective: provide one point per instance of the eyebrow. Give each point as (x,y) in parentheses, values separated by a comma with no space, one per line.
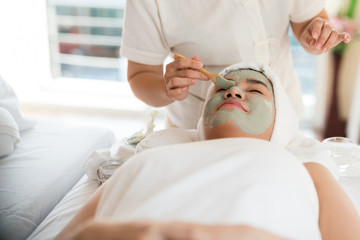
(254,81)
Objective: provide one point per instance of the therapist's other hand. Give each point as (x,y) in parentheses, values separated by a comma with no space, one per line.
(180,75)
(320,36)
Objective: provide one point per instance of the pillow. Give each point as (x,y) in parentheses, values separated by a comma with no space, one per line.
(10,102)
(11,120)
(9,132)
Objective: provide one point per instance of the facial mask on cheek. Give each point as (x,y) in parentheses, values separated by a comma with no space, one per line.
(255,122)
(260,116)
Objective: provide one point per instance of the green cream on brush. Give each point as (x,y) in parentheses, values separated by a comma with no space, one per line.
(223,83)
(260,109)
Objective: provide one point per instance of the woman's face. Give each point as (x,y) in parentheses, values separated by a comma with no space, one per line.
(244,110)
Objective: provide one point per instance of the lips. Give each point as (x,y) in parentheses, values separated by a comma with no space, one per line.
(234,104)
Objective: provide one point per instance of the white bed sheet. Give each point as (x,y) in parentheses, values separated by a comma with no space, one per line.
(41,170)
(83,190)
(65,210)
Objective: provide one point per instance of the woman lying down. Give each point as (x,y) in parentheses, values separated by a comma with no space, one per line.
(242,180)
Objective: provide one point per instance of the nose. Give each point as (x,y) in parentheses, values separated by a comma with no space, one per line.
(234,93)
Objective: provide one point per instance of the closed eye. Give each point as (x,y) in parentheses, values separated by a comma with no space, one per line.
(220,90)
(256,91)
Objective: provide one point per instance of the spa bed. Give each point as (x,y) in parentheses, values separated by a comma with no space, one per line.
(42,183)
(75,198)
(41,170)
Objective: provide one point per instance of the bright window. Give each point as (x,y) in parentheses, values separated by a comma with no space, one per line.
(85,38)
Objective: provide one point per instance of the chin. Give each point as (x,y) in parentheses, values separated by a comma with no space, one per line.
(222,131)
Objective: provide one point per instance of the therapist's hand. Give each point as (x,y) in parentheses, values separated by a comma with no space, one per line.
(180,75)
(319,36)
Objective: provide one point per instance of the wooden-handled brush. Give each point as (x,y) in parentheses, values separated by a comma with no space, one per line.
(216,78)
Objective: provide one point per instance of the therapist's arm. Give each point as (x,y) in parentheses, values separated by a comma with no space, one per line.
(338,218)
(153,88)
(317,35)
(147,83)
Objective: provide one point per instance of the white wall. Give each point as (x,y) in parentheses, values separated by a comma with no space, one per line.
(24,52)
(349,70)
(25,64)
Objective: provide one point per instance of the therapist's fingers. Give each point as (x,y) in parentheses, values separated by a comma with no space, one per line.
(333,40)
(330,40)
(178,94)
(194,63)
(313,32)
(180,75)
(171,75)
(177,88)
(186,67)
(321,36)
(325,33)
(315,27)
(190,73)
(178,82)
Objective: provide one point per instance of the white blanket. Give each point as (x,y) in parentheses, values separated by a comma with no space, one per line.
(224,181)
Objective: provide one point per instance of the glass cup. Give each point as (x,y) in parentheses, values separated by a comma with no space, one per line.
(342,151)
(107,169)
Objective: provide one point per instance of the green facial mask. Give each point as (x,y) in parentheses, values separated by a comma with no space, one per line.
(260,115)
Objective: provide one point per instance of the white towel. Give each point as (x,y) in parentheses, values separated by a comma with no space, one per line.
(11,119)
(9,132)
(122,151)
(303,148)
(119,151)
(10,102)
(310,150)
(168,137)
(223,181)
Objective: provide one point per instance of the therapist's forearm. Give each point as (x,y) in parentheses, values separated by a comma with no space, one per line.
(148,84)
(150,88)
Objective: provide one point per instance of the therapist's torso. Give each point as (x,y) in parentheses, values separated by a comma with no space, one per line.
(227,32)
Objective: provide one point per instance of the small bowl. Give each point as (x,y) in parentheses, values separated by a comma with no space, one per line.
(107,169)
(341,150)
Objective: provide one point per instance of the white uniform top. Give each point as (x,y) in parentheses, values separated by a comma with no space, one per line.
(221,33)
